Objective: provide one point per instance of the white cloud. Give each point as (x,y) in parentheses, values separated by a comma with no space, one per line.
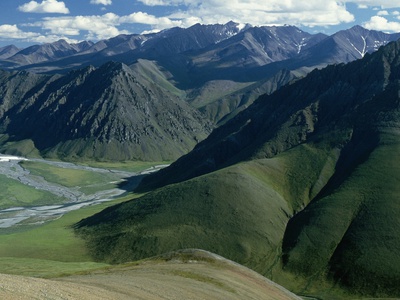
(157,2)
(13,32)
(373,3)
(383,13)
(382,24)
(104,26)
(46,6)
(52,38)
(278,12)
(103,2)
(144,18)
(97,27)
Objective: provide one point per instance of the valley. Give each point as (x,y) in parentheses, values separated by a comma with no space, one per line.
(51,177)
(39,242)
(202,161)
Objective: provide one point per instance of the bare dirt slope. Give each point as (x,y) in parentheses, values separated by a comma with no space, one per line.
(174,277)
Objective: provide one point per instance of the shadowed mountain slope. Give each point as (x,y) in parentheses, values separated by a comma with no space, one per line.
(106,113)
(303,182)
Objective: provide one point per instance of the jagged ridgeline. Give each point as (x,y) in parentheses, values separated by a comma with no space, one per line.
(110,113)
(305,182)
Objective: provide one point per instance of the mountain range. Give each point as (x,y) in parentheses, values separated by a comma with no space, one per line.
(154,96)
(285,145)
(302,187)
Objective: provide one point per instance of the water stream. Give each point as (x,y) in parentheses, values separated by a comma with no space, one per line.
(76,199)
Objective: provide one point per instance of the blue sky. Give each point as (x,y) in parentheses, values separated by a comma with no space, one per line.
(25,22)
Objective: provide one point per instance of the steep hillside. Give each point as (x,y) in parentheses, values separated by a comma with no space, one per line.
(106,113)
(303,182)
(17,85)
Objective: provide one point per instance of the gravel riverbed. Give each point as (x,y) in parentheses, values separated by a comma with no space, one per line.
(10,166)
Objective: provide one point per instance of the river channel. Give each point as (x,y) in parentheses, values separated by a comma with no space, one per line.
(10,166)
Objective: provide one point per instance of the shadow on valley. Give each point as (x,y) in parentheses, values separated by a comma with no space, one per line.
(130,183)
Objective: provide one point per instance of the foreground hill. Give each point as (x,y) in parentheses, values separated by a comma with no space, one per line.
(190,274)
(303,182)
(112,113)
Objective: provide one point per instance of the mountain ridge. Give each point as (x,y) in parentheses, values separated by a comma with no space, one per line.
(107,112)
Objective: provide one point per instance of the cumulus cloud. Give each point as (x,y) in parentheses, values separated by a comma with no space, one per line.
(104,26)
(382,24)
(52,38)
(97,27)
(308,13)
(103,2)
(46,6)
(159,2)
(144,18)
(381,3)
(383,13)
(13,32)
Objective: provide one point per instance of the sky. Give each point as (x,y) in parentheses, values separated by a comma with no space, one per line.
(24,22)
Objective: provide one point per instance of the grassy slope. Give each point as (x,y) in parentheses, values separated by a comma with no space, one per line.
(51,249)
(351,234)
(24,147)
(191,274)
(239,212)
(182,217)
